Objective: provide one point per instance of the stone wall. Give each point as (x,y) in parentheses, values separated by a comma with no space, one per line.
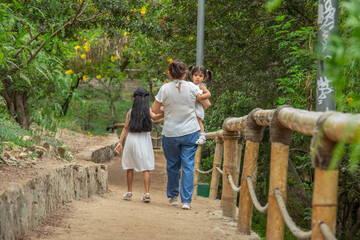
(24,207)
(104,154)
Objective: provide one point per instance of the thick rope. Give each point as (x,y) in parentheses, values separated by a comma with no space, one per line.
(326,231)
(254,198)
(219,170)
(232,184)
(203,172)
(297,232)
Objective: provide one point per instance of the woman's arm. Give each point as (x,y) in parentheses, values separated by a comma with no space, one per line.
(156,116)
(124,132)
(156,107)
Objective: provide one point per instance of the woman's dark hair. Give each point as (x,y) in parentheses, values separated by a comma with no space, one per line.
(208,75)
(177,69)
(140,120)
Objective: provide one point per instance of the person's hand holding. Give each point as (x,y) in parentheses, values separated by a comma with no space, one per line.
(198,97)
(119,148)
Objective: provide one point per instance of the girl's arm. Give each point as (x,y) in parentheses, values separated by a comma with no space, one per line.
(156,116)
(206,93)
(156,107)
(204,98)
(124,132)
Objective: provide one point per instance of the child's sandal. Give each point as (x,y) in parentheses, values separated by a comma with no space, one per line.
(127,196)
(146,197)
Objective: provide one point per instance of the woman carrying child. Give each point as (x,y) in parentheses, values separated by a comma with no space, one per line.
(198,75)
(180,132)
(138,152)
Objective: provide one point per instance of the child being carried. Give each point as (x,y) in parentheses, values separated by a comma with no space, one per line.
(198,76)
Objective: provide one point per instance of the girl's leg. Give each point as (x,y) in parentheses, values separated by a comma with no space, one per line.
(200,124)
(129,177)
(147,180)
(202,139)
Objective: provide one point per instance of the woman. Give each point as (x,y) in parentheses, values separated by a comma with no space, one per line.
(180,132)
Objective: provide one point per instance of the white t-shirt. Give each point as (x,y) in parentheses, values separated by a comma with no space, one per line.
(179,108)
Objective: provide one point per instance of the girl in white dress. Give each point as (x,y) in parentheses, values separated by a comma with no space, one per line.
(198,75)
(138,152)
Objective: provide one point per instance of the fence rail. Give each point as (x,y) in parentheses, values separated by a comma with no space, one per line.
(326,129)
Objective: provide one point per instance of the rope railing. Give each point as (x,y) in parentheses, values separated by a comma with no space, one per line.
(297,232)
(203,172)
(326,129)
(326,231)
(254,199)
(232,184)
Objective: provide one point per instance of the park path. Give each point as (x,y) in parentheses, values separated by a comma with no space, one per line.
(110,217)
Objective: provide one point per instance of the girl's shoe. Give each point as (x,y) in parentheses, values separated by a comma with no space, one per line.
(127,196)
(146,198)
(201,140)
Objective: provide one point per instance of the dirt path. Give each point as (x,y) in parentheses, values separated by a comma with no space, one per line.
(110,217)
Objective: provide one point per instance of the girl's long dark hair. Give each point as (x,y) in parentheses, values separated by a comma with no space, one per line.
(140,120)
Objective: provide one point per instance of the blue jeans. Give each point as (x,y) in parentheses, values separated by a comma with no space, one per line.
(180,152)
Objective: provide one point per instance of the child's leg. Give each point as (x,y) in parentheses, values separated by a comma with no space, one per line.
(201,140)
(129,177)
(147,180)
(200,124)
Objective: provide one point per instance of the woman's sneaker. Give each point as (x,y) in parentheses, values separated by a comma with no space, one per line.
(174,201)
(186,206)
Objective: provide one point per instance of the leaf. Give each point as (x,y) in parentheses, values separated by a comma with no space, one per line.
(23,76)
(272,5)
(17,5)
(42,72)
(24,59)
(1,57)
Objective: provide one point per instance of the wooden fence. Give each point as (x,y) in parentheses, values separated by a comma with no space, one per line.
(326,129)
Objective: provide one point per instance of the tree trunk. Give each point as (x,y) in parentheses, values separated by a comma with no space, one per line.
(65,106)
(17,105)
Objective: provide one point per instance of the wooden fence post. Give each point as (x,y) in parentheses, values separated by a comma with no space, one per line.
(228,198)
(238,158)
(196,173)
(280,138)
(324,204)
(217,163)
(253,134)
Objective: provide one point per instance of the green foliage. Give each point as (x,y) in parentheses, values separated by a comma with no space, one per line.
(90,113)
(10,131)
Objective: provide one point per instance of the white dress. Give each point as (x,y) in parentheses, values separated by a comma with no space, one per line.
(138,152)
(199,109)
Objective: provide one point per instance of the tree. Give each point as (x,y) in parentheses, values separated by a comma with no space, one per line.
(32,29)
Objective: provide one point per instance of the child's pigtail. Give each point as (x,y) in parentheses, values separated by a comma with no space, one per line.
(189,72)
(209,77)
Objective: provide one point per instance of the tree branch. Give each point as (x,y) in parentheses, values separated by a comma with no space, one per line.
(80,11)
(220,14)
(32,39)
(85,20)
